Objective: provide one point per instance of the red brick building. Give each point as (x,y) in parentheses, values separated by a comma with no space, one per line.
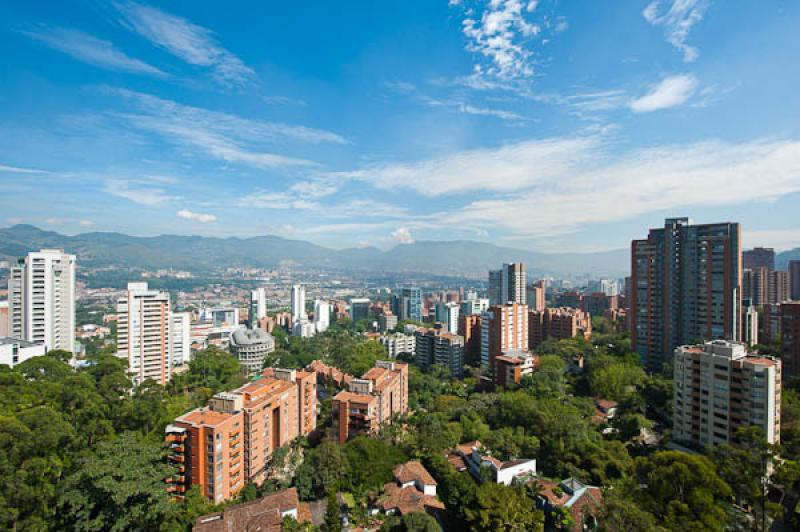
(557,323)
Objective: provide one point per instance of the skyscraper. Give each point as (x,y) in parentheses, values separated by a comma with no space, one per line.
(507,285)
(180,337)
(42,299)
(686,287)
(447,314)
(763,286)
(758,258)
(536,295)
(794,280)
(143,333)
(322,315)
(407,305)
(258,305)
(790,337)
(504,328)
(298,303)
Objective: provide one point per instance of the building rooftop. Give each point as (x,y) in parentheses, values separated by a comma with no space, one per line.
(413,471)
(245,336)
(204,416)
(262,515)
(7,340)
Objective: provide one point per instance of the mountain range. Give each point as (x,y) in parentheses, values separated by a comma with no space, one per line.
(204,254)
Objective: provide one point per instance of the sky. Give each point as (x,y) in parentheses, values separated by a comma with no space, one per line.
(542,125)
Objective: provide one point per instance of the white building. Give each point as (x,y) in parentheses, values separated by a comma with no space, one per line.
(447,315)
(397,343)
(298,303)
(503,472)
(41,292)
(258,305)
(322,315)
(143,333)
(303,328)
(181,337)
(474,306)
(751,326)
(14,351)
(221,316)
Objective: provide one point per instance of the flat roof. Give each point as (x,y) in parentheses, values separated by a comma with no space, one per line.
(7,340)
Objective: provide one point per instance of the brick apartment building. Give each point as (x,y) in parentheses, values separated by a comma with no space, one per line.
(225,445)
(557,323)
(371,401)
(790,337)
(469,328)
(511,367)
(504,328)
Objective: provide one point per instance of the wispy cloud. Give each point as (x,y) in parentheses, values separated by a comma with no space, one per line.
(19,170)
(402,235)
(263,199)
(91,50)
(669,92)
(137,194)
(777,238)
(196,216)
(677,17)
(193,44)
(86,223)
(220,135)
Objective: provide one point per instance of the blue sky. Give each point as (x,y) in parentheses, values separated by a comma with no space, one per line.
(550,125)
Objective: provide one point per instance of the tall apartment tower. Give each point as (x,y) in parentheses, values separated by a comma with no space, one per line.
(685,286)
(407,305)
(507,285)
(180,335)
(41,293)
(765,287)
(298,303)
(258,306)
(718,388)
(322,315)
(790,337)
(447,314)
(758,258)
(143,333)
(504,328)
(535,296)
(794,280)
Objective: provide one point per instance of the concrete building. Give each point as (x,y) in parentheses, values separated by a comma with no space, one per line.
(221,316)
(398,343)
(258,306)
(558,323)
(5,330)
(298,303)
(790,338)
(14,351)
(686,285)
(513,366)
(507,285)
(359,308)
(758,258)
(371,401)
(536,295)
(504,328)
(447,314)
(474,306)
(41,295)
(251,347)
(765,287)
(143,333)
(441,348)
(225,445)
(322,315)
(387,322)
(469,328)
(180,333)
(473,457)
(303,329)
(718,388)
(407,305)
(751,326)
(794,280)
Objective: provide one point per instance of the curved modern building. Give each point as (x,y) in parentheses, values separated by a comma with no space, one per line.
(251,346)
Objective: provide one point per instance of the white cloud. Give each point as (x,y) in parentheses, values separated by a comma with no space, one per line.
(192,43)
(18,170)
(196,216)
(54,221)
(677,17)
(91,50)
(456,103)
(15,220)
(141,195)
(781,239)
(86,223)
(402,235)
(669,92)
(221,135)
(275,200)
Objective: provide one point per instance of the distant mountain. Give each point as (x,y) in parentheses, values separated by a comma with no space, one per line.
(782,259)
(196,253)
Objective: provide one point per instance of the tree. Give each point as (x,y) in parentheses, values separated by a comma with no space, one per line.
(381,457)
(325,469)
(413,522)
(119,488)
(502,508)
(333,515)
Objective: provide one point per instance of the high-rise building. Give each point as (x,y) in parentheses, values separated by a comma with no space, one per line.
(441,348)
(407,305)
(41,294)
(322,315)
(794,280)
(790,337)
(371,401)
(558,323)
(504,328)
(143,333)
(387,322)
(399,343)
(447,314)
(765,287)
(758,258)
(227,444)
(180,333)
(751,326)
(474,306)
(469,328)
(507,285)
(718,388)
(258,306)
(298,303)
(359,308)
(536,295)
(686,286)
(4,321)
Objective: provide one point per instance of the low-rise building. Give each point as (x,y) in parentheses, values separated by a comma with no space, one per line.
(371,401)
(472,457)
(511,367)
(263,515)
(584,502)
(387,322)
(397,343)
(14,351)
(413,490)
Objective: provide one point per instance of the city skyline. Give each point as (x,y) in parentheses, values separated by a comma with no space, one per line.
(527,124)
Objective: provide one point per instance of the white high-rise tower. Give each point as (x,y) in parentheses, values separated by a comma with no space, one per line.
(143,333)
(299,303)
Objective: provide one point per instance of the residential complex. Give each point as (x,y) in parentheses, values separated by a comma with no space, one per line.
(41,292)
(686,285)
(794,280)
(504,328)
(407,305)
(507,285)
(790,338)
(535,295)
(225,445)
(371,401)
(557,323)
(718,388)
(758,258)
(398,343)
(143,333)
(440,347)
(762,286)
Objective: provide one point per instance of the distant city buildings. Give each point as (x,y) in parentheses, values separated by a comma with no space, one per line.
(180,338)
(322,315)
(359,309)
(535,295)
(447,314)
(258,305)
(763,286)
(557,323)
(399,343)
(686,285)
(371,401)
(794,280)
(474,306)
(387,322)
(718,388)
(507,285)
(790,338)
(41,292)
(298,303)
(407,305)
(470,329)
(227,444)
(758,258)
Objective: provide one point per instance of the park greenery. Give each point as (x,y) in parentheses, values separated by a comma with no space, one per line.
(81,448)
